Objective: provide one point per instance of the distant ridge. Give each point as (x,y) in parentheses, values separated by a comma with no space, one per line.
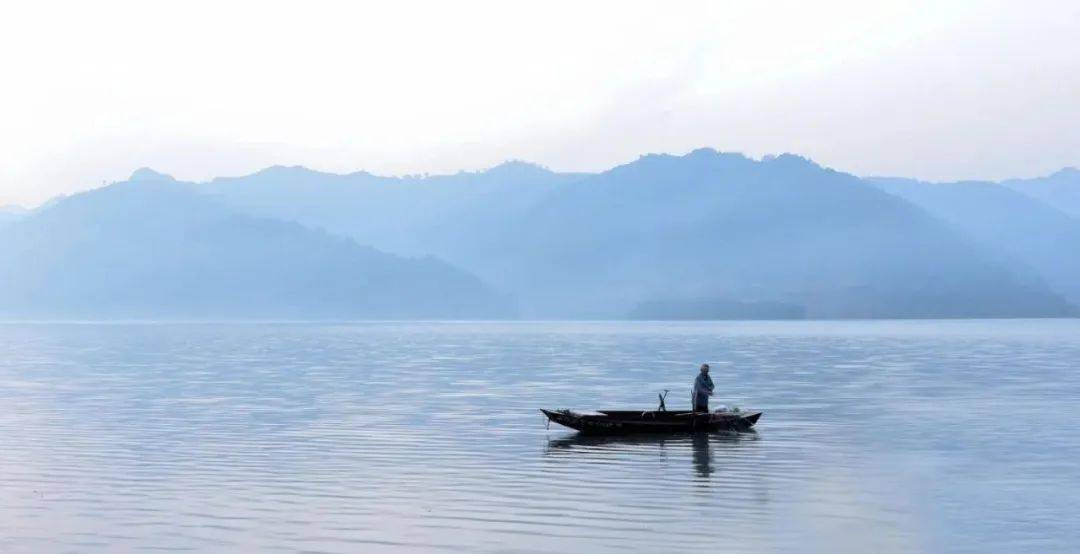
(155,247)
(145,174)
(1060,189)
(1018,228)
(706,224)
(705,235)
(11,213)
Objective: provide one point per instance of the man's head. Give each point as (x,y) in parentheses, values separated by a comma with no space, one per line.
(705,368)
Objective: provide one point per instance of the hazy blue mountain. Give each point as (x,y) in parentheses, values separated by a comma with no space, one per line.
(11,213)
(711,225)
(1060,190)
(711,228)
(1003,220)
(153,247)
(405,215)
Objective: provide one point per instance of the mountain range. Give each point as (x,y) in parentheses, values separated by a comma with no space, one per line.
(154,247)
(11,213)
(706,235)
(1020,230)
(1059,190)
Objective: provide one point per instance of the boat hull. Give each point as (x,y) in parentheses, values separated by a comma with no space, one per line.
(611,422)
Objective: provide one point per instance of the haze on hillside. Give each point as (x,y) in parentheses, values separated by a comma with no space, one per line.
(705,235)
(154,248)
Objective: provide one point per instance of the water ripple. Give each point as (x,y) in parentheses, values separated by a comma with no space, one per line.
(878,436)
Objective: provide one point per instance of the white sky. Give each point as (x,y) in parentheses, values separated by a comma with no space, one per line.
(940,90)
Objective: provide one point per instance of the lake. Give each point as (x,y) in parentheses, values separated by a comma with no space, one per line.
(883,436)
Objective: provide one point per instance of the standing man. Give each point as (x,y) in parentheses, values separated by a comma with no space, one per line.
(703,389)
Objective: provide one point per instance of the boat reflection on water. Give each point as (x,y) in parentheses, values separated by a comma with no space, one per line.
(703,447)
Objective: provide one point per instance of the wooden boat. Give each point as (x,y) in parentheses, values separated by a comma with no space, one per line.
(612,422)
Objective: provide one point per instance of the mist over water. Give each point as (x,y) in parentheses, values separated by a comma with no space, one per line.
(877,436)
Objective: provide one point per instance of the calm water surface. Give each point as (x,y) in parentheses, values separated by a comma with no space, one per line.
(877,436)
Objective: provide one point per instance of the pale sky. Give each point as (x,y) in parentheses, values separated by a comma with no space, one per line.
(91,91)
